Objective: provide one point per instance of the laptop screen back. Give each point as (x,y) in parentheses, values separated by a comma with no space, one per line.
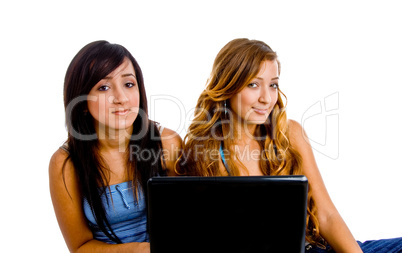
(227,214)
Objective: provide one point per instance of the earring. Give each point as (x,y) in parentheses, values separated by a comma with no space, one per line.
(226,110)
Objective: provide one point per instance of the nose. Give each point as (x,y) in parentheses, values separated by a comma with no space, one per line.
(265,96)
(119,96)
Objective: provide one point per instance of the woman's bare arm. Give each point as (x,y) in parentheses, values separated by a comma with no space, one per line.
(332,226)
(67,203)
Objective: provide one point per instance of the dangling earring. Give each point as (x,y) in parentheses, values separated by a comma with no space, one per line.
(226,109)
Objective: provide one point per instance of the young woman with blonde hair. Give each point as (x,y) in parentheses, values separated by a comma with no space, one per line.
(240,128)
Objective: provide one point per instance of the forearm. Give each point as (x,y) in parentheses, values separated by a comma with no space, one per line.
(97,246)
(337,234)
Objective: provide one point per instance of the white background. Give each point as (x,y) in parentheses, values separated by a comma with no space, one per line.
(341,71)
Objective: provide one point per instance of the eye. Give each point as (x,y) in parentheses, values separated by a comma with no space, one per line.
(252,85)
(130,85)
(275,85)
(103,88)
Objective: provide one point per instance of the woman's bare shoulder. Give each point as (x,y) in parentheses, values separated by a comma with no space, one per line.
(172,145)
(60,163)
(297,134)
(294,127)
(170,137)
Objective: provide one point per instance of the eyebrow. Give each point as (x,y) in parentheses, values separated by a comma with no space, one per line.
(260,78)
(124,75)
(129,74)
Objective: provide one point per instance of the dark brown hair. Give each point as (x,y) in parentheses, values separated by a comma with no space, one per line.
(91,64)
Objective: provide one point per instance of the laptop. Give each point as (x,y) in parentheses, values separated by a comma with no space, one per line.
(227,214)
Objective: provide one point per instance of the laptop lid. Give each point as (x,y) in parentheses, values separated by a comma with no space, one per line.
(227,214)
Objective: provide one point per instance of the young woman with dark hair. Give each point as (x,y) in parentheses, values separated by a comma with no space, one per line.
(98,177)
(240,128)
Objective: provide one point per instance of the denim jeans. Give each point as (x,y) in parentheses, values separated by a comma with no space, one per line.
(393,245)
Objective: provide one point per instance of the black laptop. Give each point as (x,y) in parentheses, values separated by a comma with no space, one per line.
(227,214)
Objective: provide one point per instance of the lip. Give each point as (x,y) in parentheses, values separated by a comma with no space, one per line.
(121,112)
(261,111)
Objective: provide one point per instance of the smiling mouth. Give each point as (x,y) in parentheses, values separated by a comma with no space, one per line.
(261,111)
(121,112)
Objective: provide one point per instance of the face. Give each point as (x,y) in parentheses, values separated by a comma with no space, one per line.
(255,102)
(114,101)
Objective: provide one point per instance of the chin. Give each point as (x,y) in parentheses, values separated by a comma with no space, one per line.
(123,125)
(257,121)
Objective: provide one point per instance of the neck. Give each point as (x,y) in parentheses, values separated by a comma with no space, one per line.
(244,132)
(114,140)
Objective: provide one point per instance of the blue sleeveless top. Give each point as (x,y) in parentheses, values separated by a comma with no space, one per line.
(127,218)
(224,160)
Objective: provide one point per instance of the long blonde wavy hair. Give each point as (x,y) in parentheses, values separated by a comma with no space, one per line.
(237,63)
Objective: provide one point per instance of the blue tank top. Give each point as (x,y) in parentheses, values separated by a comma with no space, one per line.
(224,160)
(127,218)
